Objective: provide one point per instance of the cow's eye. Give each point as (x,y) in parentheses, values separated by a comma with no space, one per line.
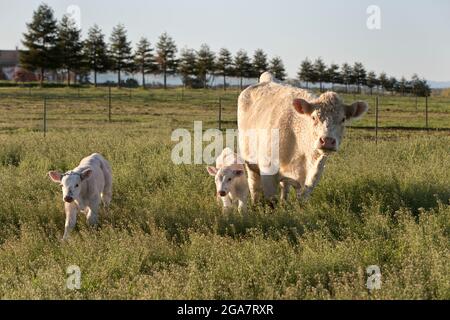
(229,179)
(314,118)
(343,120)
(76,186)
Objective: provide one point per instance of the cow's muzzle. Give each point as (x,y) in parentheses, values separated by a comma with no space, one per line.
(328,144)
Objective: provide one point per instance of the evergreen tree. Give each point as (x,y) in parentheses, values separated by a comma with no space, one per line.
(70,46)
(165,56)
(187,65)
(383,81)
(346,75)
(205,63)
(40,42)
(276,67)
(224,65)
(401,86)
(372,81)
(144,59)
(333,75)
(420,87)
(259,63)
(359,75)
(320,72)
(242,66)
(96,52)
(121,57)
(306,72)
(391,84)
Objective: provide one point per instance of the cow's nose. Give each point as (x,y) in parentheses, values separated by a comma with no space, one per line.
(68,199)
(328,143)
(222,193)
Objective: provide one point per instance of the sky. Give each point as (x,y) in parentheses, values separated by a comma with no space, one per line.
(413,35)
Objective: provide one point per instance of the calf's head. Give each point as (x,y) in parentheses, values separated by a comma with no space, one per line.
(70,183)
(225,178)
(325,119)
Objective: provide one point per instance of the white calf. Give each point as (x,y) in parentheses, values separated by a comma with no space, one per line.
(231,181)
(84,188)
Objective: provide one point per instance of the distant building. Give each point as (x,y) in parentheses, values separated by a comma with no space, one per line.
(10,69)
(9,62)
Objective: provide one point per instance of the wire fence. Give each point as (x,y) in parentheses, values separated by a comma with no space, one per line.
(47,109)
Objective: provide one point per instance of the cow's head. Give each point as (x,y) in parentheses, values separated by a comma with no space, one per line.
(225,178)
(70,183)
(326,117)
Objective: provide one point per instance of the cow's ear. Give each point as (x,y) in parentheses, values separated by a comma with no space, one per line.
(55,176)
(211,170)
(302,106)
(356,110)
(86,174)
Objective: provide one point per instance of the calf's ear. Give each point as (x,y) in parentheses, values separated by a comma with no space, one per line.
(211,170)
(86,174)
(302,106)
(55,176)
(356,110)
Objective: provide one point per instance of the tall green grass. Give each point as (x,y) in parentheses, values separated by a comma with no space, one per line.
(165,236)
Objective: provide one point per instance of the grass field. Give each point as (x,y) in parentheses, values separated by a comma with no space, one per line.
(384,204)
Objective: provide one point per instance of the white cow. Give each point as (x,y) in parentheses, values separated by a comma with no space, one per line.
(231,181)
(84,188)
(309,129)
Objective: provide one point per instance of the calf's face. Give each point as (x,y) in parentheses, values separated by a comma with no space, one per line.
(70,183)
(224,178)
(326,119)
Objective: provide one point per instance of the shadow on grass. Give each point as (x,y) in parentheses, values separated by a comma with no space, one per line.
(335,213)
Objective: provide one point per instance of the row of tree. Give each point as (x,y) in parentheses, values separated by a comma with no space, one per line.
(58,46)
(356,75)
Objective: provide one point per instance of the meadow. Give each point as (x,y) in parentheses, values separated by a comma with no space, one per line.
(165,237)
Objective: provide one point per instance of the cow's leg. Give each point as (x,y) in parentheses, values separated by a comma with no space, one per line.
(254,185)
(269,185)
(71,211)
(312,179)
(284,190)
(92,211)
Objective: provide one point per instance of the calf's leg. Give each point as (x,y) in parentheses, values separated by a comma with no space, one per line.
(71,211)
(92,212)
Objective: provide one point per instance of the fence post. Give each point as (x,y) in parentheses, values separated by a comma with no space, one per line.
(376,120)
(220,113)
(45,116)
(426,112)
(109,103)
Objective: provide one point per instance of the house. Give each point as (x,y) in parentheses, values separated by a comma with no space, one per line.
(9,62)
